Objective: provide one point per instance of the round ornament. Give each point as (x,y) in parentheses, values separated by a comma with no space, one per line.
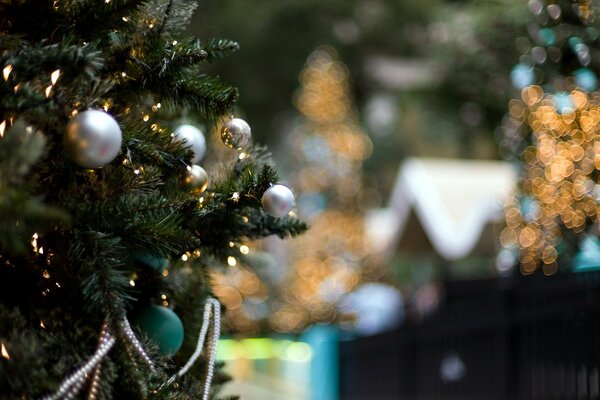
(236,133)
(157,263)
(191,136)
(195,179)
(278,200)
(93,139)
(163,326)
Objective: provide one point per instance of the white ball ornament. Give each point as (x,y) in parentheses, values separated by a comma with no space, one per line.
(93,139)
(193,137)
(278,200)
(236,133)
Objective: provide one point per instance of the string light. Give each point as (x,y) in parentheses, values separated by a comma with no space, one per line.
(559,190)
(231,261)
(2,128)
(6,71)
(4,352)
(244,249)
(54,76)
(48,90)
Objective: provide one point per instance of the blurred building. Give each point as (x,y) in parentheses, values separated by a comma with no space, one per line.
(445,206)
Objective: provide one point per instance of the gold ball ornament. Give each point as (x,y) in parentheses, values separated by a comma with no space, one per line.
(236,133)
(195,179)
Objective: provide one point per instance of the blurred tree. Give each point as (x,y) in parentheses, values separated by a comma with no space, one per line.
(276,36)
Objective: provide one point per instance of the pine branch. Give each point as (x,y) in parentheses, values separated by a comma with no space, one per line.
(219,48)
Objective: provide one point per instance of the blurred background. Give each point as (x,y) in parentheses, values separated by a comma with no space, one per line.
(390,120)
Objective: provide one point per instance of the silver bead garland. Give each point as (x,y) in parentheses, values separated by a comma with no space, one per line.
(212,348)
(95,382)
(212,306)
(126,327)
(73,383)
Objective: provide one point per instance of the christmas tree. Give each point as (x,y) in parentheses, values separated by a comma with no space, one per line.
(109,225)
(553,130)
(328,148)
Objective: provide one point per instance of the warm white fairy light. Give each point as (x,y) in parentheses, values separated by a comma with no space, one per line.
(34,242)
(5,352)
(235,197)
(184,257)
(54,76)
(42,324)
(6,71)
(2,128)
(244,249)
(48,90)
(146,118)
(231,261)
(131,282)
(16,87)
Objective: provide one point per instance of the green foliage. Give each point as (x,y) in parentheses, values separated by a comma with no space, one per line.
(69,236)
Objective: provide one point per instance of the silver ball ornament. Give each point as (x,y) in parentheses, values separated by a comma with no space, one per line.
(193,137)
(195,179)
(93,139)
(236,133)
(278,200)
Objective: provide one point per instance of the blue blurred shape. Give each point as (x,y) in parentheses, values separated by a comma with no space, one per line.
(586,79)
(324,373)
(588,256)
(547,36)
(522,75)
(563,103)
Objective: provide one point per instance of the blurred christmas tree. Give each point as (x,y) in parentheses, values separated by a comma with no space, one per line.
(328,148)
(554,129)
(106,216)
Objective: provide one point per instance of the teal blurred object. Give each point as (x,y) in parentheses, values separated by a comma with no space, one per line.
(586,79)
(588,257)
(562,102)
(157,263)
(324,372)
(163,326)
(522,75)
(548,37)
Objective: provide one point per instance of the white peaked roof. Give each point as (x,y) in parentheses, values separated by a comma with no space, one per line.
(453,201)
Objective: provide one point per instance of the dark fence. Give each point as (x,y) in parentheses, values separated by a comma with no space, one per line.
(512,338)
